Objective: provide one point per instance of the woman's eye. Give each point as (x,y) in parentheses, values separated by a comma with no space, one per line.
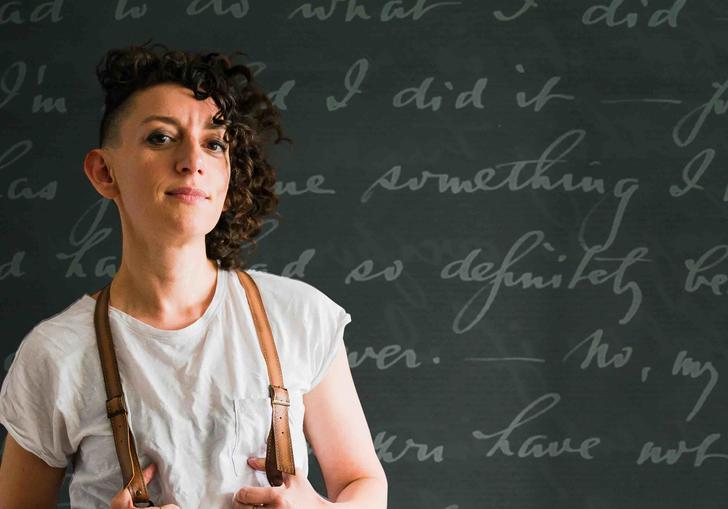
(156,136)
(158,139)
(221,144)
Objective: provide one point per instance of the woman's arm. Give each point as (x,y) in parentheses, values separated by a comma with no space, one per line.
(26,480)
(335,426)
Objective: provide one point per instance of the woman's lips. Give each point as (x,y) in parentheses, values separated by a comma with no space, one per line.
(187,198)
(188,190)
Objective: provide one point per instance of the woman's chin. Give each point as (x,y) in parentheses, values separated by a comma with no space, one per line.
(187,227)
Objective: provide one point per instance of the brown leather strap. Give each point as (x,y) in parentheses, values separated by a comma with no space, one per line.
(279,450)
(115,406)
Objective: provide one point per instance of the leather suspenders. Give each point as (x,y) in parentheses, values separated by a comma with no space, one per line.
(279,450)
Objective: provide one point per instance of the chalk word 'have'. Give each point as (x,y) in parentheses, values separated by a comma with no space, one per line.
(536,445)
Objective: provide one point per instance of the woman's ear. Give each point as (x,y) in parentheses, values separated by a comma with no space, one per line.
(100,174)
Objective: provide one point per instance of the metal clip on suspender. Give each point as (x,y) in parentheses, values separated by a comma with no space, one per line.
(279,450)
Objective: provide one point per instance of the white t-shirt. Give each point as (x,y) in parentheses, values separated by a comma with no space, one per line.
(197,397)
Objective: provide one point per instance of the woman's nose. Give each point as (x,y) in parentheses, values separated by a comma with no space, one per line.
(190,158)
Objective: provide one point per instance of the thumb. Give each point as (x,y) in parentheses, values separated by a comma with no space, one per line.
(148,472)
(123,499)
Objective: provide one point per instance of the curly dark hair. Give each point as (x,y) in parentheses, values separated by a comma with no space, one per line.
(248,114)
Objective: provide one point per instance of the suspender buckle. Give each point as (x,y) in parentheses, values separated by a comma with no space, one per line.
(115,406)
(278,395)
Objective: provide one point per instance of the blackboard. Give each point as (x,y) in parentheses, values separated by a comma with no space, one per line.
(523,205)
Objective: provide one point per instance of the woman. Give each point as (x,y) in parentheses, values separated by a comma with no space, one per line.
(181,154)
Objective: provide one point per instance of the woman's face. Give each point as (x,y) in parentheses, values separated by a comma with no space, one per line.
(156,155)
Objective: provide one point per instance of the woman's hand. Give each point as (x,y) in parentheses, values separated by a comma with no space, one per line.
(295,493)
(123,500)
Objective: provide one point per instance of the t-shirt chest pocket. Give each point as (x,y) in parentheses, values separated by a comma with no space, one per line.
(252,425)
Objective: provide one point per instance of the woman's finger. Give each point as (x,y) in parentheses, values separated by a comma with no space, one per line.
(149,472)
(123,500)
(255,497)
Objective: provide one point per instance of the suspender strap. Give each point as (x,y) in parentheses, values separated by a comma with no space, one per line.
(279,449)
(115,407)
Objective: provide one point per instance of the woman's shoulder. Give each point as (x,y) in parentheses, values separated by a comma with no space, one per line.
(292,293)
(63,333)
(309,323)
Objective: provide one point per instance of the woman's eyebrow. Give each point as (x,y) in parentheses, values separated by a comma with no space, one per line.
(174,121)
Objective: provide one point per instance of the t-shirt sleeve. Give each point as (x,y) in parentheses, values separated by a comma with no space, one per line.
(29,406)
(329,338)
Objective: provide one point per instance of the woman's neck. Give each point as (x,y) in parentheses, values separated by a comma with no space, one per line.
(168,296)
